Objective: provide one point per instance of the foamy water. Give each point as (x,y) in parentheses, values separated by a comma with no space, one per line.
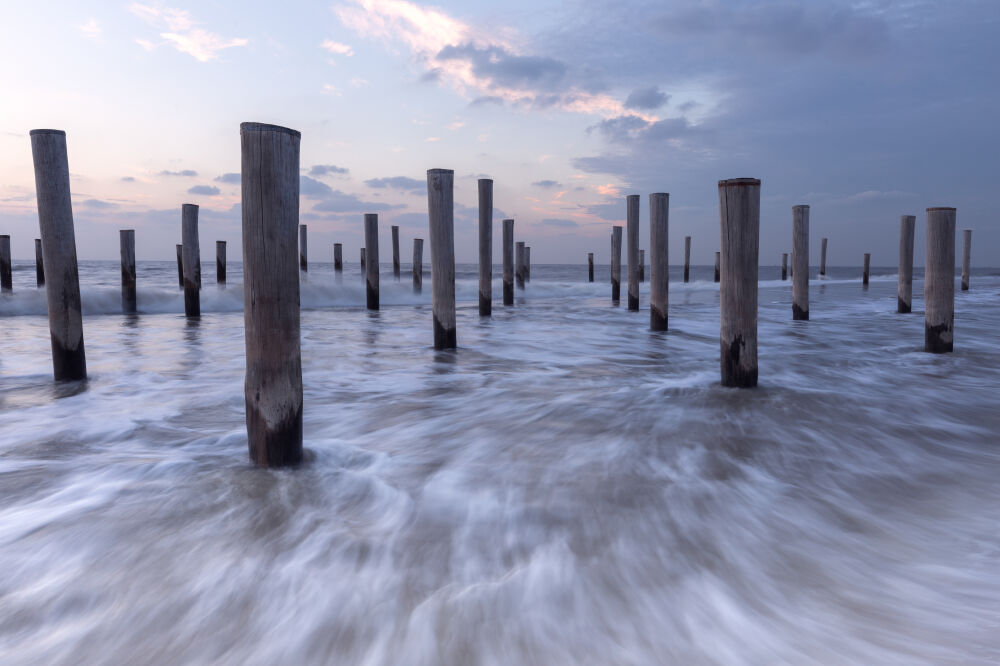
(565,488)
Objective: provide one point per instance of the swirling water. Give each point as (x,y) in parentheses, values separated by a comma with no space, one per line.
(565,488)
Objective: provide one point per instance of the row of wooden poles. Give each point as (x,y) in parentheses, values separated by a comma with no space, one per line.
(271,238)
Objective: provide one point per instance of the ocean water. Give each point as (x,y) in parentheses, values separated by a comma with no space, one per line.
(565,488)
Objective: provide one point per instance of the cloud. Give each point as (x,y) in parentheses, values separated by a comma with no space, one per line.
(648,99)
(546,184)
(486,100)
(187,173)
(128,179)
(329,200)
(228,179)
(559,222)
(90,29)
(505,69)
(180,32)
(411,185)
(326,169)
(207,190)
(336,48)
(98,204)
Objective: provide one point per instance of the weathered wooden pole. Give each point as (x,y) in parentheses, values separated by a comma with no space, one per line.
(718,258)
(371,260)
(800,263)
(616,264)
(822,258)
(904,292)
(418,265)
(273,387)
(395,252)
(687,258)
(303,248)
(441,214)
(784,266)
(739,215)
(642,266)
(180,265)
(866,271)
(590,267)
(338,263)
(519,264)
(632,248)
(192,260)
(126,238)
(966,257)
(659,245)
(527,263)
(485,247)
(220,262)
(363,262)
(791,266)
(6,271)
(55,219)
(508,262)
(939,281)
(39,264)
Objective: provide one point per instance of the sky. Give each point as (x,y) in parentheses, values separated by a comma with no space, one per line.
(864,110)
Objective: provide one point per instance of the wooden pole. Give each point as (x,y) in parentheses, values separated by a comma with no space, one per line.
(508,262)
(632,233)
(39,264)
(590,267)
(822,258)
(939,281)
(441,214)
(739,215)
(126,238)
(642,266)
(418,265)
(800,263)
(485,247)
(687,258)
(966,257)
(62,286)
(718,258)
(371,260)
(6,271)
(303,248)
(192,260)
(659,279)
(904,293)
(527,263)
(395,252)
(220,262)
(519,264)
(338,258)
(616,264)
(273,387)
(784,266)
(363,262)
(180,265)
(865,272)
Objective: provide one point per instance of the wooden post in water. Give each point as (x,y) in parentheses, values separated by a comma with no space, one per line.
(966,257)
(39,264)
(784,266)
(822,258)
(220,262)
(519,264)
(441,213)
(866,271)
(632,248)
(718,258)
(303,248)
(192,260)
(508,262)
(273,387)
(939,281)
(904,292)
(418,265)
(395,252)
(616,264)
(338,262)
(687,258)
(485,247)
(642,266)
(6,271)
(363,262)
(371,260)
(590,267)
(62,286)
(527,263)
(180,265)
(739,214)
(659,279)
(800,263)
(126,238)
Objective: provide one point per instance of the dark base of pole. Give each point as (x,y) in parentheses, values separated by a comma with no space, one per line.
(485,306)
(192,300)
(274,447)
(68,364)
(633,302)
(822,273)
(220,276)
(864,280)
(798,314)
(902,307)
(732,374)
(657,321)
(520,283)
(590,275)
(642,274)
(716,276)
(444,338)
(395,272)
(965,286)
(303,265)
(372,297)
(39,278)
(933,341)
(686,273)
(784,275)
(616,292)
(508,293)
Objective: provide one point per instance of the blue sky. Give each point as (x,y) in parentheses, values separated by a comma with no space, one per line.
(864,110)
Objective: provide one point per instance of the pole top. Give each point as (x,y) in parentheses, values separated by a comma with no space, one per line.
(660,194)
(264,127)
(371,217)
(740,182)
(929,210)
(47,131)
(801,207)
(440,172)
(631,196)
(189,206)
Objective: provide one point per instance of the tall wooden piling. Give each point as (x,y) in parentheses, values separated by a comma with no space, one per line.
(220,262)
(822,258)
(395,252)
(192,260)
(939,281)
(371,260)
(866,271)
(180,265)
(687,258)
(739,215)
(303,248)
(273,387)
(784,266)
(800,263)
(718,258)
(904,292)
(39,264)
(62,286)
(441,214)
(642,266)
(485,247)
(966,257)
(590,267)
(418,265)
(616,264)
(126,238)
(6,270)
(508,262)
(659,246)
(338,258)
(632,248)
(527,263)
(519,264)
